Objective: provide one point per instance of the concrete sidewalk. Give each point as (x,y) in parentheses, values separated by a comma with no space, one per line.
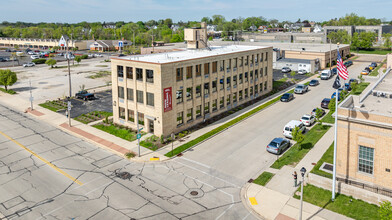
(275,200)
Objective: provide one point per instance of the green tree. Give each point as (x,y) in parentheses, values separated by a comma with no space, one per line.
(387,40)
(385,210)
(340,36)
(78,59)
(206,20)
(366,39)
(51,62)
(298,136)
(331,105)
(218,19)
(355,41)
(7,78)
(318,115)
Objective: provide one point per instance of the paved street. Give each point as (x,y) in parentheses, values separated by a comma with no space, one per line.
(47,174)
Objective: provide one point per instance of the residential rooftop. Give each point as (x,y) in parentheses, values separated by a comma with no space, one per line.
(175,56)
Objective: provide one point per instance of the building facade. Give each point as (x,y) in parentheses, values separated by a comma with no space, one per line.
(177,90)
(379,30)
(38,43)
(364,148)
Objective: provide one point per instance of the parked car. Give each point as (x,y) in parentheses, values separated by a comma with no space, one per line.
(278,145)
(286,69)
(289,127)
(347,86)
(325,74)
(30,53)
(2,59)
(33,57)
(287,97)
(301,89)
(368,69)
(308,120)
(334,71)
(99,55)
(8,50)
(28,64)
(374,64)
(121,55)
(353,80)
(325,102)
(314,112)
(334,94)
(346,64)
(302,72)
(314,82)
(84,95)
(350,63)
(364,72)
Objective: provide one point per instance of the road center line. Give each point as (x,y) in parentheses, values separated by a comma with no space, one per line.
(42,159)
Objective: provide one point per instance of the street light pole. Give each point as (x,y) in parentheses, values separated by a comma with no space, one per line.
(70,87)
(303,171)
(336,139)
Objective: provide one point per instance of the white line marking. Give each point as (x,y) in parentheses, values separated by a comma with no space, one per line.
(201,164)
(246,216)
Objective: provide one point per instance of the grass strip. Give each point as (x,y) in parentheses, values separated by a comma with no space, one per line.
(49,106)
(101,114)
(345,205)
(298,151)
(118,132)
(327,158)
(264,178)
(375,71)
(9,91)
(376,51)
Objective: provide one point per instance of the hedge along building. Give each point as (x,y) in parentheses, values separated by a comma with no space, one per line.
(174,91)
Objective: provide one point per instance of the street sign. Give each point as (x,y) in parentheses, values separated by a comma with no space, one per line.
(138,136)
(31,98)
(69,104)
(69,108)
(140,129)
(120,44)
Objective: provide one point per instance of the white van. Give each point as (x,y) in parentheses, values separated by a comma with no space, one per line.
(326,74)
(289,127)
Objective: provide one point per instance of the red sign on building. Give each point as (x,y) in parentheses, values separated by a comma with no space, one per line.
(167,99)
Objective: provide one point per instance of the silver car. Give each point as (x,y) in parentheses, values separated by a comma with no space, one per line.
(300,89)
(278,145)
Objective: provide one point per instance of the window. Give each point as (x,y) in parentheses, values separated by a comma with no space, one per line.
(189,72)
(228,100)
(131,115)
(228,81)
(234,80)
(366,159)
(214,86)
(141,118)
(198,111)
(256,74)
(234,97)
(206,108)
(198,91)
(129,72)
(206,68)
(246,93)
(139,96)
(261,73)
(120,71)
(189,93)
(246,60)
(198,70)
(139,74)
(150,99)
(261,87)
(214,105)
(222,83)
(179,75)
(240,78)
(215,67)
(222,102)
(179,96)
(257,59)
(222,65)
(206,88)
(240,95)
(256,89)
(241,61)
(130,94)
(180,119)
(228,65)
(121,112)
(235,61)
(265,85)
(251,59)
(121,92)
(251,75)
(251,90)
(189,114)
(266,56)
(266,71)
(246,76)
(261,57)
(150,76)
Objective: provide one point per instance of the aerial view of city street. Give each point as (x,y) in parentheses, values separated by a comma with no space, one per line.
(195,110)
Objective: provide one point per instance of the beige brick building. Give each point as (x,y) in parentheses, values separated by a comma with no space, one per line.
(364,149)
(177,90)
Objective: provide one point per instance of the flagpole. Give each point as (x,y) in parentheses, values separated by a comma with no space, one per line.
(336,136)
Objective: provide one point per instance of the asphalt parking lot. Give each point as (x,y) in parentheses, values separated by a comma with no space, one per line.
(102,102)
(277,73)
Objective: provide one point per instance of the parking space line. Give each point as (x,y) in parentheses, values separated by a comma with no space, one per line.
(42,159)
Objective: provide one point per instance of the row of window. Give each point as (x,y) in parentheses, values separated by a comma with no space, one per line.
(139,96)
(138,73)
(131,115)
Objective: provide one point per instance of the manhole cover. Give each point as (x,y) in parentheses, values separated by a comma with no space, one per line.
(194,193)
(123,175)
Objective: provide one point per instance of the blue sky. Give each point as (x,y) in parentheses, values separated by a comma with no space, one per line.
(73,11)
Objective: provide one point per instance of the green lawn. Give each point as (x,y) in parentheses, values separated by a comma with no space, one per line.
(9,91)
(93,116)
(328,118)
(264,178)
(150,142)
(54,105)
(374,51)
(298,151)
(345,205)
(375,71)
(328,158)
(123,133)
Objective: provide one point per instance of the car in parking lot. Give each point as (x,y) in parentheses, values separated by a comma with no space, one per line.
(334,94)
(2,59)
(368,69)
(334,71)
(353,80)
(314,112)
(30,64)
(302,72)
(373,64)
(364,72)
(286,69)
(84,95)
(278,145)
(289,127)
(287,97)
(350,63)
(314,82)
(347,86)
(308,120)
(325,74)
(33,57)
(325,103)
(301,89)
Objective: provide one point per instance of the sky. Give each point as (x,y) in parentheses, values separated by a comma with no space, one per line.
(73,11)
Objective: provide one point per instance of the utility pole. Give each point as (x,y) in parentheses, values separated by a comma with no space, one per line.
(70,87)
(336,138)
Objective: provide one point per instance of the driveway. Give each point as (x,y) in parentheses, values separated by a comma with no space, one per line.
(103,102)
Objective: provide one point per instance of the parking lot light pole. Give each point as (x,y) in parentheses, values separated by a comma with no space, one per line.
(70,87)
(303,171)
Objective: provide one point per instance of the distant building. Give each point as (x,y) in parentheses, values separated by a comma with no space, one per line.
(39,43)
(108,45)
(175,27)
(317,28)
(379,30)
(307,29)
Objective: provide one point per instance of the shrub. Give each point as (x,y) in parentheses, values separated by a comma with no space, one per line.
(85,56)
(130,155)
(39,61)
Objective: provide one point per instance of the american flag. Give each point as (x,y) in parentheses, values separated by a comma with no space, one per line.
(342,70)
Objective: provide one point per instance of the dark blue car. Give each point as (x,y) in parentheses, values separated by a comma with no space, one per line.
(334,94)
(334,71)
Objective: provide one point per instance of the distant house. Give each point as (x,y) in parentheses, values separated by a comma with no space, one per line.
(175,27)
(108,45)
(252,28)
(211,28)
(317,29)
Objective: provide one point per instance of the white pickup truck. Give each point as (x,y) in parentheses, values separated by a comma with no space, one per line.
(326,74)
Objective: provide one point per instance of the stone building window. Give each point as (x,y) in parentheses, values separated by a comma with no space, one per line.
(121,112)
(179,96)
(366,159)
(198,70)
(120,71)
(130,94)
(139,96)
(129,72)
(180,118)
(215,67)
(150,76)
(189,93)
(198,111)
(189,114)
(198,91)
(189,72)
(150,99)
(180,72)
(141,118)
(131,115)
(139,74)
(120,92)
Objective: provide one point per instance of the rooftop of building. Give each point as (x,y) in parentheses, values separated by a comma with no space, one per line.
(292,60)
(190,54)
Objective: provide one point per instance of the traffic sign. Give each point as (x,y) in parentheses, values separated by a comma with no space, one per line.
(120,44)
(69,108)
(140,129)
(138,136)
(69,104)
(31,98)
